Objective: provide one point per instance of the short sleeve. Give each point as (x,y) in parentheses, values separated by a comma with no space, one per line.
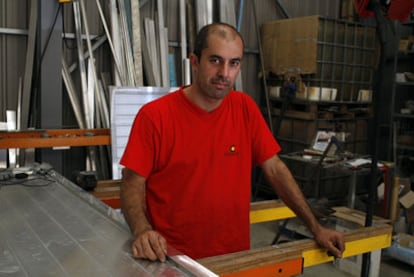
(139,153)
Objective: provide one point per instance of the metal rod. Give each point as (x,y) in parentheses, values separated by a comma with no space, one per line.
(126,43)
(136,39)
(162,39)
(81,62)
(241,11)
(95,46)
(28,72)
(269,114)
(72,95)
(282,9)
(111,45)
(13,31)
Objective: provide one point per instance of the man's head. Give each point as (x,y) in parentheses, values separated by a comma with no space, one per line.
(216,60)
(222,29)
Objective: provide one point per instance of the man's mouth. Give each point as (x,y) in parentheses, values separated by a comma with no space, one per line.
(220,84)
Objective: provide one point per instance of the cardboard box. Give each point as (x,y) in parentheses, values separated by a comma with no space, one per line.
(340,54)
(407,200)
(298,44)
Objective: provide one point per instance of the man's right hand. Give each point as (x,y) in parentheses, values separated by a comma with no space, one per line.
(150,245)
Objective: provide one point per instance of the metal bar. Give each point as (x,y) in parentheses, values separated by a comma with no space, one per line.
(11,126)
(3,65)
(73,36)
(240,18)
(265,211)
(103,105)
(28,72)
(282,9)
(148,66)
(126,43)
(364,243)
(81,62)
(162,39)
(136,42)
(228,15)
(13,31)
(185,62)
(90,94)
(152,49)
(269,114)
(116,40)
(88,43)
(70,89)
(95,46)
(204,12)
(111,46)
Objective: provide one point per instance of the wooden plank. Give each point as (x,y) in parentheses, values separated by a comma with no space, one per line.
(108,183)
(246,261)
(355,216)
(357,242)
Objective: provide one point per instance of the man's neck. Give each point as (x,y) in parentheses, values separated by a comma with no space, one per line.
(205,103)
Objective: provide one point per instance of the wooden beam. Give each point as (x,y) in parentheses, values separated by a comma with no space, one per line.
(359,241)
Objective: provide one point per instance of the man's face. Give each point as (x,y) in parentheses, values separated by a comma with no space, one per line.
(216,71)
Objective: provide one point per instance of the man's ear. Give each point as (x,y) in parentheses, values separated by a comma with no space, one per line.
(193,61)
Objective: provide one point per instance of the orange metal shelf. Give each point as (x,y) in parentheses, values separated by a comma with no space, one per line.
(54,138)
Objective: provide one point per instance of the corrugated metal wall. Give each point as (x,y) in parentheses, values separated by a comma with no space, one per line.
(15,15)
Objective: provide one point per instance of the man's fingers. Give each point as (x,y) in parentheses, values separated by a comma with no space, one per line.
(150,246)
(149,250)
(136,249)
(336,250)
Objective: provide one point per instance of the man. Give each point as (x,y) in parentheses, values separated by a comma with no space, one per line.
(186,180)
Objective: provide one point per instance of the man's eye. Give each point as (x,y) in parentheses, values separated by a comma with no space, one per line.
(215,60)
(235,63)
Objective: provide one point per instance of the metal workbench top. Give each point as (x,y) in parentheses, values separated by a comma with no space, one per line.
(51,227)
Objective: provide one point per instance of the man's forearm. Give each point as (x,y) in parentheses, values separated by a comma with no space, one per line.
(133,207)
(287,189)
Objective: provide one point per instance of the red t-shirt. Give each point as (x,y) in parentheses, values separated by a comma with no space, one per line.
(198,169)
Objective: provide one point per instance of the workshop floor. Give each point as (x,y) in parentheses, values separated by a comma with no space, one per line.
(262,234)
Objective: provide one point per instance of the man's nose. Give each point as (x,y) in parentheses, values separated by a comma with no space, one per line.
(224,70)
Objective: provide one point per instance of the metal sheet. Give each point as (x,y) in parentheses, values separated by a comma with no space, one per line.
(51,227)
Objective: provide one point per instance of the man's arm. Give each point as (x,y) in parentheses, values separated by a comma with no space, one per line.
(282,181)
(148,244)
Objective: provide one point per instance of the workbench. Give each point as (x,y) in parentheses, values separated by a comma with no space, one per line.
(51,227)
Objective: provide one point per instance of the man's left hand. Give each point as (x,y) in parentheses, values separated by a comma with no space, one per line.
(332,240)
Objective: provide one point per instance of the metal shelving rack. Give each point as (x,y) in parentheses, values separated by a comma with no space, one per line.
(403,122)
